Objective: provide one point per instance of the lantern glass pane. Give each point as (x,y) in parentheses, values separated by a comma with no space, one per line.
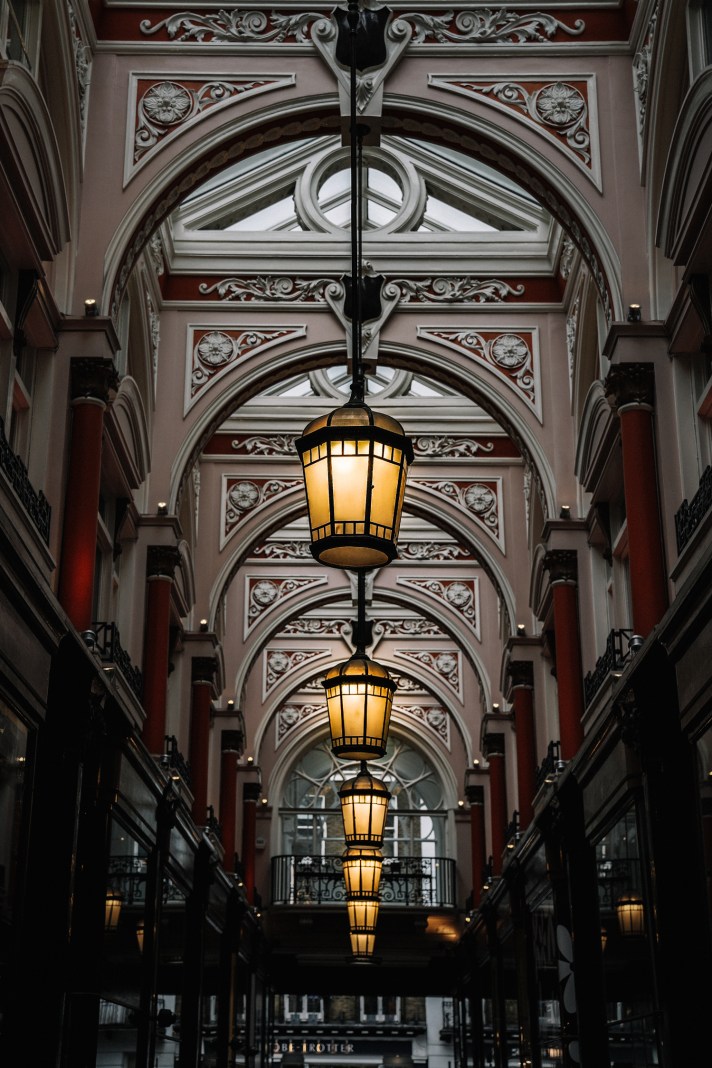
(362,943)
(316,481)
(384,495)
(362,913)
(350,488)
(362,871)
(364,818)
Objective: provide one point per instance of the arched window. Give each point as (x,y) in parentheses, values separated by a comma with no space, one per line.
(311,813)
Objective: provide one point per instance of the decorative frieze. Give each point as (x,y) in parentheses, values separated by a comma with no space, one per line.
(406,628)
(513,358)
(444,663)
(235,25)
(571,334)
(277,663)
(316,627)
(82,66)
(214,352)
(460,595)
(488,26)
(241,496)
(268,445)
(291,715)
(262,594)
(558,109)
(641,69)
(452,289)
(277,290)
(482,499)
(421,551)
(434,717)
(452,447)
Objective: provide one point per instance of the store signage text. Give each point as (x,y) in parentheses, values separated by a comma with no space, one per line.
(312,1047)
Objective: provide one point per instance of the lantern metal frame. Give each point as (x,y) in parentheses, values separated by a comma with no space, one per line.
(359,696)
(362,867)
(347,455)
(362,913)
(363,944)
(630,913)
(112,908)
(358,796)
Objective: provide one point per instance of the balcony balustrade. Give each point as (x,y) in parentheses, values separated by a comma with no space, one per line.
(427,882)
(613,659)
(691,513)
(35,503)
(110,650)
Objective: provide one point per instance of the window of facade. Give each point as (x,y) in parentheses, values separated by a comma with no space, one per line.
(304,1008)
(311,811)
(375,1009)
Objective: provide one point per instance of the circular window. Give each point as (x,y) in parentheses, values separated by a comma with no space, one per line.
(393,194)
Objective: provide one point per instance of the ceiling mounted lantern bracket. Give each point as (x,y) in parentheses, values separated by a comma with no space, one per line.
(355,460)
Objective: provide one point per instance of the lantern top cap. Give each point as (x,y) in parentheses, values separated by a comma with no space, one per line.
(364,782)
(355,415)
(359,664)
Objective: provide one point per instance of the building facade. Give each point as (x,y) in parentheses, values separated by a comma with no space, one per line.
(536,205)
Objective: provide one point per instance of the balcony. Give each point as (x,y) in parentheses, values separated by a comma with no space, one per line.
(614,658)
(423,882)
(112,653)
(691,513)
(35,503)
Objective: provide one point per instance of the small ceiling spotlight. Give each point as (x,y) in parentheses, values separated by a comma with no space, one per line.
(633,313)
(162,508)
(565,511)
(203,624)
(90,308)
(521,630)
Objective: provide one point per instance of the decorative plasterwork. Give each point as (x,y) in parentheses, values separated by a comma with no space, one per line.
(212,352)
(564,111)
(571,334)
(421,551)
(407,290)
(407,684)
(434,717)
(513,358)
(444,663)
(267,445)
(278,663)
(240,496)
(406,628)
(641,69)
(461,595)
(262,594)
(161,107)
(292,715)
(568,252)
(316,627)
(481,499)
(284,550)
(82,66)
(486,26)
(460,447)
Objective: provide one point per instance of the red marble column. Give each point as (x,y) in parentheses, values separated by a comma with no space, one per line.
(230,749)
(162,561)
(493,750)
(203,672)
(561,565)
(630,389)
(522,678)
(476,796)
(91,383)
(250,796)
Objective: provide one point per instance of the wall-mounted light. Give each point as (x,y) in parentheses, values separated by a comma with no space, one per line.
(631,914)
(264,801)
(203,624)
(633,313)
(565,511)
(521,630)
(162,508)
(112,909)
(90,308)
(140,932)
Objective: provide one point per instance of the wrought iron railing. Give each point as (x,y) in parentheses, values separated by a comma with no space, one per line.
(691,513)
(512,834)
(111,651)
(428,882)
(128,876)
(174,760)
(613,659)
(35,503)
(550,766)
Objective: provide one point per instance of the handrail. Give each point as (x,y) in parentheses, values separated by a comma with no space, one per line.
(315,880)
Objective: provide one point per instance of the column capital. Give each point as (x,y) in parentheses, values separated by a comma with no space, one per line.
(251,791)
(94,378)
(630,383)
(521,674)
(203,668)
(562,565)
(161,561)
(475,795)
(232,741)
(492,745)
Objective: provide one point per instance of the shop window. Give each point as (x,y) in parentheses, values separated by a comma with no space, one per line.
(624,914)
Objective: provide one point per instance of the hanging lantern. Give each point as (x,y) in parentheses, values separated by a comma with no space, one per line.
(355,463)
(140,933)
(631,914)
(364,806)
(112,909)
(359,696)
(362,945)
(362,867)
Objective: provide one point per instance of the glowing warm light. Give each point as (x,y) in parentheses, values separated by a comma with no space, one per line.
(112,909)
(359,696)
(362,944)
(355,463)
(364,806)
(362,866)
(631,914)
(362,913)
